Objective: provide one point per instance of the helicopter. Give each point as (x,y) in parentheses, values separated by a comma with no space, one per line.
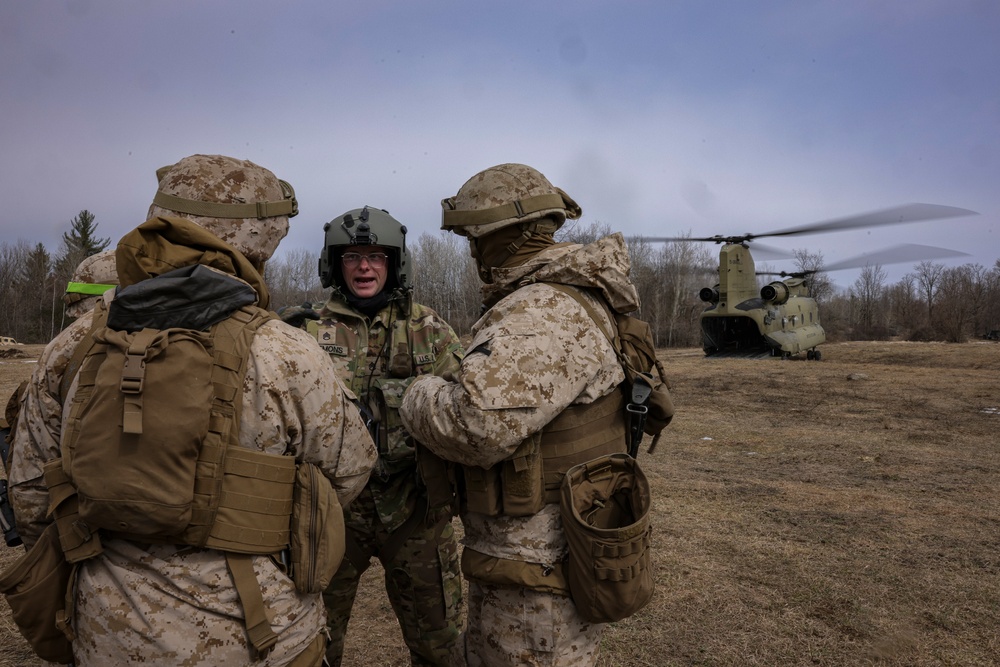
(781,319)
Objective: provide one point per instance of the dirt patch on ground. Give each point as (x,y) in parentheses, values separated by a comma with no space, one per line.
(841,512)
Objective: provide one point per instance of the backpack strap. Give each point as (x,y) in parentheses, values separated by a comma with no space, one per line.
(262,637)
(641,389)
(98,319)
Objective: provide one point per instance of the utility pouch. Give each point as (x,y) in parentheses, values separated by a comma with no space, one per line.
(481,490)
(395,446)
(317,531)
(605,513)
(37,587)
(438,478)
(523,479)
(79,541)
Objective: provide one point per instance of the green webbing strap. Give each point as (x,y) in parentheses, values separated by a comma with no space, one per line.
(517,209)
(262,637)
(87,288)
(262,209)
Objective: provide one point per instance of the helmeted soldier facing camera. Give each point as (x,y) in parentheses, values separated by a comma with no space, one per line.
(380,340)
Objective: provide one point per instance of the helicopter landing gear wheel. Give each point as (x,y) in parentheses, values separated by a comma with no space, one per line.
(810,354)
(817,355)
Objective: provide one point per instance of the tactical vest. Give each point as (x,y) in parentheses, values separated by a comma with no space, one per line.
(380,388)
(173,473)
(532,476)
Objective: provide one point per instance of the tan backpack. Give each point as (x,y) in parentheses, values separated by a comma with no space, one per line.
(150,452)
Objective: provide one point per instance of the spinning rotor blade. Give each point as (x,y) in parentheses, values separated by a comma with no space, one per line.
(888,216)
(898,254)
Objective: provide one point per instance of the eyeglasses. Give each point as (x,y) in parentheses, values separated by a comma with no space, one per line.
(376,260)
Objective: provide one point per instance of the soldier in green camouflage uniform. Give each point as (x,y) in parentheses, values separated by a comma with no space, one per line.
(380,340)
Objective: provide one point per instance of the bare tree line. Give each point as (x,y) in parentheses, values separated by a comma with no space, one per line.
(933,302)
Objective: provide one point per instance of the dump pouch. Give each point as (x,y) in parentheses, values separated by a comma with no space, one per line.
(605,513)
(37,587)
(317,531)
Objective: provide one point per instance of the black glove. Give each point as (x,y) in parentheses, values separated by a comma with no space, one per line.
(297,315)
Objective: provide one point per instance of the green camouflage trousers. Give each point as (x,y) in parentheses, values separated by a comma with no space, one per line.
(422,579)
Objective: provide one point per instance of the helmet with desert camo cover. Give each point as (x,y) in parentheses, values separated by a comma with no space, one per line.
(93,276)
(505,195)
(242,203)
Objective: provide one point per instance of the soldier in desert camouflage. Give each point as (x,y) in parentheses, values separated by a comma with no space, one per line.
(94,276)
(169,604)
(380,339)
(537,371)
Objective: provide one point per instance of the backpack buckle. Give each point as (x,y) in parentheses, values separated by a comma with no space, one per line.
(133,374)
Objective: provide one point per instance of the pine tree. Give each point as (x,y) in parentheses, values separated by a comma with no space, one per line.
(80,242)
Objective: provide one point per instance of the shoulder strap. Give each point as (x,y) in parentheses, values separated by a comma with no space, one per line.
(639,384)
(99,319)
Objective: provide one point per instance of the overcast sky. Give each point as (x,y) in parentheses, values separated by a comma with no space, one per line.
(659,117)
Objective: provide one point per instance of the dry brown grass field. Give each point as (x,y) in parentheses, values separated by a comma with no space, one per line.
(836,513)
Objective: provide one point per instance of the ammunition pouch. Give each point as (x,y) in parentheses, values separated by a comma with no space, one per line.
(395,446)
(524,483)
(438,478)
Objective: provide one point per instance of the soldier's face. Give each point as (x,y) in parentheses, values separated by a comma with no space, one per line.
(365,268)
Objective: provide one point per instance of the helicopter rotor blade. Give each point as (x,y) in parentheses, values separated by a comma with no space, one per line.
(669,239)
(898,254)
(765,251)
(888,216)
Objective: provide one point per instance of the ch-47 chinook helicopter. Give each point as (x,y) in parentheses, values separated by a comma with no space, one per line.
(782,319)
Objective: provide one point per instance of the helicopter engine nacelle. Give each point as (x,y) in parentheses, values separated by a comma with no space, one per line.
(776,292)
(709,295)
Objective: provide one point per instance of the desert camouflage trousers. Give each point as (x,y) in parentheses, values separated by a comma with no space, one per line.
(170,605)
(509,626)
(422,579)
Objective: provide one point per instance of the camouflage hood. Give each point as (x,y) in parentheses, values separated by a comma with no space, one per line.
(163,244)
(603,265)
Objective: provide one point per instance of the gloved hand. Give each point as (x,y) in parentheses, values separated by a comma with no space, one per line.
(297,315)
